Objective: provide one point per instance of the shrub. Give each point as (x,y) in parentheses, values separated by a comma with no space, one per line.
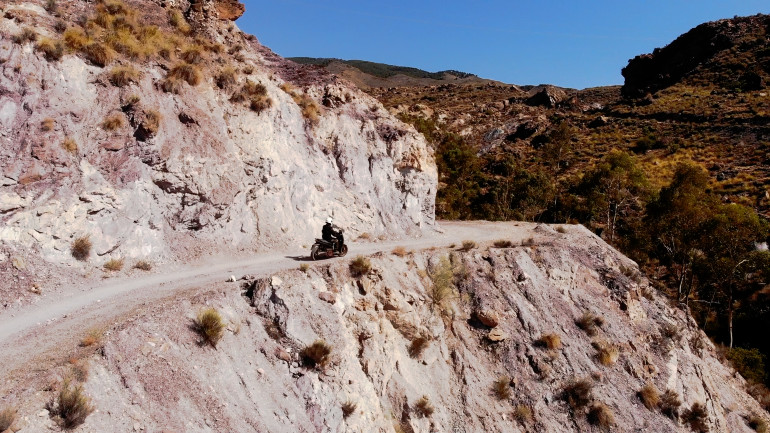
(669,404)
(696,417)
(81,248)
(601,416)
(114,121)
(132,100)
(360,266)
(670,332)
(399,251)
(528,242)
(123,75)
(502,388)
(182,72)
(70,145)
(423,407)
(72,406)
(46,125)
(98,54)
(348,408)
(760,393)
(225,79)
(114,265)
(259,104)
(523,414)
(249,91)
(176,19)
(607,353)
(502,243)
(417,346)
(193,54)
(316,355)
(578,393)
(151,122)
(53,50)
(93,336)
(443,288)
(468,245)
(589,323)
(649,395)
(75,38)
(143,265)
(755,422)
(210,326)
(549,341)
(750,363)
(26,35)
(304,267)
(7,417)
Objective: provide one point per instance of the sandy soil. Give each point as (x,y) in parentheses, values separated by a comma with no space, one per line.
(30,337)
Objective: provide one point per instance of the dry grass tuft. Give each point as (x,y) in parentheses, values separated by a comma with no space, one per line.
(93,336)
(468,245)
(669,404)
(75,38)
(590,323)
(210,326)
(670,332)
(503,243)
(360,266)
(193,54)
(114,121)
(7,418)
(99,54)
(423,407)
(304,267)
(143,265)
(25,35)
(549,341)
(47,125)
(649,395)
(578,393)
(225,79)
(177,20)
(121,76)
(70,145)
(316,355)
(182,72)
(696,417)
(399,251)
(523,414)
(114,265)
(607,353)
(151,122)
(502,388)
(601,416)
(417,346)
(72,406)
(53,50)
(259,104)
(81,248)
(757,424)
(561,229)
(443,288)
(348,408)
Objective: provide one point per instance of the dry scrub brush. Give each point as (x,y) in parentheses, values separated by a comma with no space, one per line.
(121,76)
(71,407)
(47,125)
(468,245)
(423,407)
(578,393)
(417,346)
(143,265)
(316,354)
(348,408)
(25,35)
(52,50)
(696,417)
(502,388)
(7,417)
(114,265)
(590,323)
(523,414)
(209,326)
(606,353)
(360,266)
(113,122)
(443,288)
(93,336)
(600,415)
(81,248)
(650,396)
(179,74)
(502,243)
(399,251)
(757,423)
(70,145)
(669,404)
(549,341)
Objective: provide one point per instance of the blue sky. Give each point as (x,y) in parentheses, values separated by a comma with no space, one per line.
(567,43)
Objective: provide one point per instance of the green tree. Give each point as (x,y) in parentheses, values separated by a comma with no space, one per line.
(459,170)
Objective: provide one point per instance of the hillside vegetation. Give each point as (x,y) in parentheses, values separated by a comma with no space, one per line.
(672,168)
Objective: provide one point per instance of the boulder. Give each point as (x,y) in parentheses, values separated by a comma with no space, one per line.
(547,96)
(487,317)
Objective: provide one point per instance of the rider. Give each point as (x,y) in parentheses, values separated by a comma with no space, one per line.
(329,234)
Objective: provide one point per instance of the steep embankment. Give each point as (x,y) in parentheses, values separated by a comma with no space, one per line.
(400,333)
(158,140)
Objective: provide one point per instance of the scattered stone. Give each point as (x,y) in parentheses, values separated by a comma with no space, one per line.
(488,318)
(327,297)
(275,281)
(231,279)
(497,334)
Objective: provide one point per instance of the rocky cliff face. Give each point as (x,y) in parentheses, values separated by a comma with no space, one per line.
(146,170)
(499,350)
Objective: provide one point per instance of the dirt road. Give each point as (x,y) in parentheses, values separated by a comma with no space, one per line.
(32,335)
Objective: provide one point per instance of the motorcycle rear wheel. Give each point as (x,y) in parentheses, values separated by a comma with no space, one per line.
(314,253)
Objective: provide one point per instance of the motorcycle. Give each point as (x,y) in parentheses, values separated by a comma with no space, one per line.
(323,249)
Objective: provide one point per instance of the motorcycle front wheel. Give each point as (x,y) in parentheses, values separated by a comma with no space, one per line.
(343,250)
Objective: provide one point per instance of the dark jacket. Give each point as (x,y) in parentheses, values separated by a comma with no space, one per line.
(328,233)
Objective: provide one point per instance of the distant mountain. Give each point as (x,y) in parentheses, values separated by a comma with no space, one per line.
(371,74)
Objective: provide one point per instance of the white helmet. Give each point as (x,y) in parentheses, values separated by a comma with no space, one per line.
(329,220)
